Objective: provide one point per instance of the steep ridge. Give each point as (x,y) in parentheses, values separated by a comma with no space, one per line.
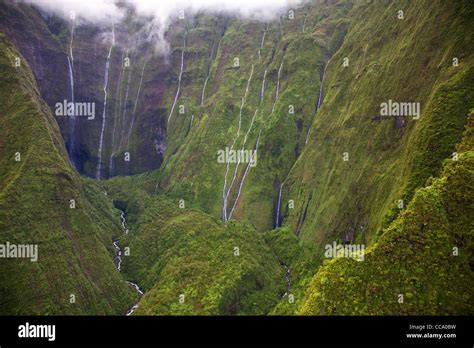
(47,41)
(190,263)
(420,264)
(408,60)
(74,273)
(192,169)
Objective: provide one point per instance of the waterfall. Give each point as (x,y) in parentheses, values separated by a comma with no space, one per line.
(71,78)
(262,92)
(277,218)
(321,91)
(208,73)
(124,112)
(224,194)
(278,87)
(262,42)
(137,96)
(304,23)
(248,131)
(204,87)
(140,84)
(124,116)
(179,78)
(243,102)
(123,222)
(119,84)
(72,119)
(247,134)
(192,119)
(140,291)
(106,82)
(119,255)
(243,179)
(243,147)
(287,277)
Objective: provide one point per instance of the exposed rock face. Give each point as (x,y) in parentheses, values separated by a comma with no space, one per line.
(132,100)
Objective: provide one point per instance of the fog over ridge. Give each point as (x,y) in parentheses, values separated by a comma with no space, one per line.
(159,14)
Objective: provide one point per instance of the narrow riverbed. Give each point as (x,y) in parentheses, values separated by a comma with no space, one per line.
(118,262)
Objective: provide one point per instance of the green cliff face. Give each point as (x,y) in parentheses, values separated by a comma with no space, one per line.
(420,264)
(75,251)
(206,237)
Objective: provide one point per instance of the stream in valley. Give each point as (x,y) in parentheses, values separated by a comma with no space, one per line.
(118,262)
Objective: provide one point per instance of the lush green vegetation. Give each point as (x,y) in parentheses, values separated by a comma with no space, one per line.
(423,255)
(400,193)
(178,250)
(75,249)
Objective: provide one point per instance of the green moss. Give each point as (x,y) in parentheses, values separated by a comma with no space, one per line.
(75,249)
(176,252)
(423,255)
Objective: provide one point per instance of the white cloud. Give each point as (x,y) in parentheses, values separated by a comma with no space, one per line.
(104,12)
(94,11)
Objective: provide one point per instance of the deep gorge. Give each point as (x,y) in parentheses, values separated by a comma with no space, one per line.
(302,91)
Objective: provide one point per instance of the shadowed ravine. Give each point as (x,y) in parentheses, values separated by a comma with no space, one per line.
(118,261)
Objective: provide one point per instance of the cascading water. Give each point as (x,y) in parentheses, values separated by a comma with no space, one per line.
(287,278)
(118,261)
(243,179)
(262,92)
(140,292)
(204,88)
(277,217)
(72,119)
(124,111)
(106,82)
(320,98)
(224,192)
(124,221)
(278,87)
(205,84)
(71,86)
(179,78)
(247,134)
(118,103)
(262,42)
(243,147)
(136,99)
(119,255)
(304,23)
(124,116)
(208,75)
(281,29)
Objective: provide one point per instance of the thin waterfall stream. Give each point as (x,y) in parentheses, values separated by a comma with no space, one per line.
(104,119)
(179,78)
(320,98)
(118,262)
